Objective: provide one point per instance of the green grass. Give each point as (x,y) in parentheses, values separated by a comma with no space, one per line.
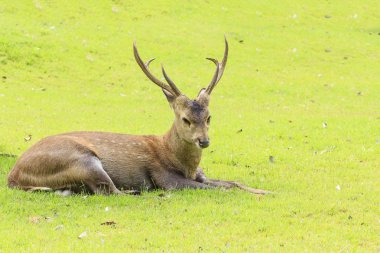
(68,65)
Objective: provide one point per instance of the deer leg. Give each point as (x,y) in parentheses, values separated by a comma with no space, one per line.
(85,172)
(232,184)
(96,178)
(170,180)
(200,176)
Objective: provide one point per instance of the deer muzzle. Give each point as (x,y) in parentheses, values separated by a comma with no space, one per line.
(204,143)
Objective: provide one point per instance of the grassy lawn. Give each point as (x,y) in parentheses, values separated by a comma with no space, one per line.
(302,84)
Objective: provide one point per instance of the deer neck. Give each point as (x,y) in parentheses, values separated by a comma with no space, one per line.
(185,156)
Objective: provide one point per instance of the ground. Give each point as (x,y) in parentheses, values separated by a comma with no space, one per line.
(297,112)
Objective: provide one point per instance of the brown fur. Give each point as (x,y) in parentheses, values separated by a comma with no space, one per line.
(105,163)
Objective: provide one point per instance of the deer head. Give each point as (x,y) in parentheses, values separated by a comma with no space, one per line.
(192,117)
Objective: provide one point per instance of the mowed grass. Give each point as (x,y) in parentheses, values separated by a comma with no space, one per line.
(302,85)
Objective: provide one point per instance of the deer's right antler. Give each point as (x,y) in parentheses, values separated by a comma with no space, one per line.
(172,88)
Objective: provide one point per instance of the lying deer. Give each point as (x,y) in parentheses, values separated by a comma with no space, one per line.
(108,163)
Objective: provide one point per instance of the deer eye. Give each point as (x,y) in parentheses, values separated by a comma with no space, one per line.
(186,121)
(208,120)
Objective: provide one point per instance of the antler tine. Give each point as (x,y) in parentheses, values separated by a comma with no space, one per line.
(148,62)
(145,69)
(224,61)
(170,82)
(214,80)
(219,68)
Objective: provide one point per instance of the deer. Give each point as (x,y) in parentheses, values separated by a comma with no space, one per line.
(115,163)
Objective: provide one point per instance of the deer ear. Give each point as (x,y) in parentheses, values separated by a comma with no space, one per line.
(170,97)
(203,97)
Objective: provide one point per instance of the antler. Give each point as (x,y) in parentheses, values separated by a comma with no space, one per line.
(219,68)
(172,88)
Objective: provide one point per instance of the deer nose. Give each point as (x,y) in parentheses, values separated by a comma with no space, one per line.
(204,143)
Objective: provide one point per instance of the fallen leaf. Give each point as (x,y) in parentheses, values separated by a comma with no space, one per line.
(89,57)
(35,219)
(48,219)
(59,227)
(271,159)
(28,137)
(324,124)
(327,150)
(115,9)
(108,223)
(82,235)
(63,193)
